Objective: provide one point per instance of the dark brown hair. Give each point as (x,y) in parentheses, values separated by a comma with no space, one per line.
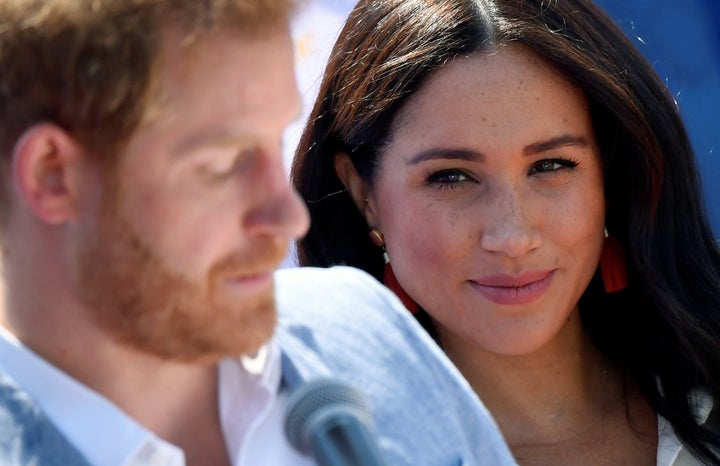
(664,330)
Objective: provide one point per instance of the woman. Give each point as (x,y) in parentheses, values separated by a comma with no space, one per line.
(520,177)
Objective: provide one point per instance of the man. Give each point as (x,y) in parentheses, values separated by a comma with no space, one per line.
(144,210)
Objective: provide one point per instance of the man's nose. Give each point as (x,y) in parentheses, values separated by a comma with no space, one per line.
(278,209)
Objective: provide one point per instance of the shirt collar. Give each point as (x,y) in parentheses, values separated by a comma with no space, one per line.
(669,445)
(248,387)
(99,430)
(105,435)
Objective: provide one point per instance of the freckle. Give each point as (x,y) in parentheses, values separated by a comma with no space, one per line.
(484,119)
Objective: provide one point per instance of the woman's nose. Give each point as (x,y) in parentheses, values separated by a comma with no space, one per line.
(508,226)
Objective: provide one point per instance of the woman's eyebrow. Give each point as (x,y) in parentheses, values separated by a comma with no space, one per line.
(447,154)
(554,143)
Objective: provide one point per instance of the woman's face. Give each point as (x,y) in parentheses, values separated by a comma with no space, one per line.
(490,198)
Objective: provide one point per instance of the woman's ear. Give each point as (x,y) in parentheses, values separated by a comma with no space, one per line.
(356,186)
(45,172)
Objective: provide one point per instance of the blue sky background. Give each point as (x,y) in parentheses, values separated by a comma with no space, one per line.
(681,39)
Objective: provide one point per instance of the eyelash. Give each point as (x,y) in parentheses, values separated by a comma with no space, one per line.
(448,179)
(238,162)
(560,165)
(440,179)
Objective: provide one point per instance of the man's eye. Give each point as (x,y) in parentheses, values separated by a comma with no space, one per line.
(221,167)
(225,165)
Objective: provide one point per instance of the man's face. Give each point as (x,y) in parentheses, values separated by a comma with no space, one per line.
(198,212)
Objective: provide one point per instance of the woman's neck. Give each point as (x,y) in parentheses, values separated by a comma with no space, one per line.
(549,395)
(562,404)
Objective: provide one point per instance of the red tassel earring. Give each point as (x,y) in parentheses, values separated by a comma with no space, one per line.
(613,265)
(389,279)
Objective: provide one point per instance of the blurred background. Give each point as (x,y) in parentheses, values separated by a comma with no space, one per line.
(681,39)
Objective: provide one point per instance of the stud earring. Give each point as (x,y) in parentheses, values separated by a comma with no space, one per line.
(389,279)
(613,265)
(377,238)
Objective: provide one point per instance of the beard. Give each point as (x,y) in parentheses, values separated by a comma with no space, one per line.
(139,302)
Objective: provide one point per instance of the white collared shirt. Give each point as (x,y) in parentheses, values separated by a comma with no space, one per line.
(251,411)
(671,451)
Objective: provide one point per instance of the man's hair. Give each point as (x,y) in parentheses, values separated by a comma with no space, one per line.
(88,66)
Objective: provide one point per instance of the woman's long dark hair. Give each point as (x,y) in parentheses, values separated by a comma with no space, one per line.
(664,329)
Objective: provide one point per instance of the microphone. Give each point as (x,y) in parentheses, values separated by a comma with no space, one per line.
(330,420)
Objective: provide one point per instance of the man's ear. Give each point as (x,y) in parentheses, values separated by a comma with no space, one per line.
(45,172)
(356,187)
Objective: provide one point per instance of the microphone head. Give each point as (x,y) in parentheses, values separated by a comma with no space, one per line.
(317,402)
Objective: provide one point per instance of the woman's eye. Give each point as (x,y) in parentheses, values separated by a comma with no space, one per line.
(447,179)
(551,165)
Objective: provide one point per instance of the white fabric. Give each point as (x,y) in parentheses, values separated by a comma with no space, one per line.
(252,408)
(670,451)
(99,430)
(251,412)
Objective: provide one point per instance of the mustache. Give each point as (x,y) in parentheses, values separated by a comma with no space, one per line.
(264,256)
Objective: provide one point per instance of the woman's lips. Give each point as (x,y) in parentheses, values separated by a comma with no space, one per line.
(514,289)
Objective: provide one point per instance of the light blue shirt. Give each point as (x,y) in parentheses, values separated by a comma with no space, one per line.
(337,322)
(343,323)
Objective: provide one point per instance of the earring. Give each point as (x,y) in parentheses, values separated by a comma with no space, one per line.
(613,265)
(389,279)
(377,238)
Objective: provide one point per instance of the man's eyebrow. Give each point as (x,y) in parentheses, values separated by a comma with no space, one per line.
(214,138)
(441,153)
(554,143)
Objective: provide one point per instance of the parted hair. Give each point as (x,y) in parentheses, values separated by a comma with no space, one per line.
(88,66)
(664,329)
